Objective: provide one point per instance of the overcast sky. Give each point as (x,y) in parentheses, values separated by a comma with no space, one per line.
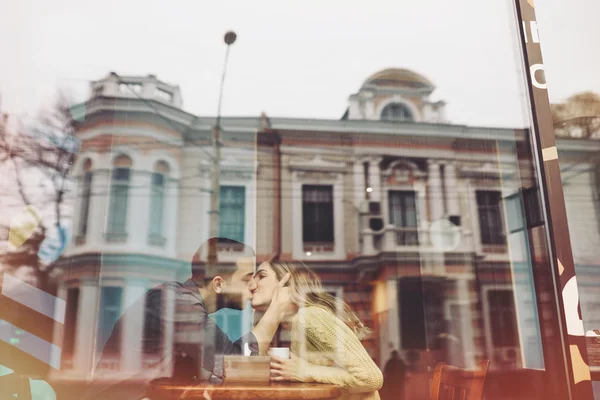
(295,58)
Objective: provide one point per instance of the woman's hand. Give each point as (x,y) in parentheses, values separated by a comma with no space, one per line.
(293,369)
(281,300)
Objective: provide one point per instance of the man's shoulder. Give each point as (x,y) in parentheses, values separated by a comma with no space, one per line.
(187,287)
(169,285)
(186,292)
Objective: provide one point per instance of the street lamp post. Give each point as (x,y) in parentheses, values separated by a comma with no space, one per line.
(212,257)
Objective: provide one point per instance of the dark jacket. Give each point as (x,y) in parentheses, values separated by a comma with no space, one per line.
(185,344)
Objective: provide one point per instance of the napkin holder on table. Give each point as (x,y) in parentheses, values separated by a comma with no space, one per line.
(247,370)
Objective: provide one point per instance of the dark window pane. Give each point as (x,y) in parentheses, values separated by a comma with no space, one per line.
(71,321)
(110,310)
(152,321)
(403,215)
(491,224)
(503,320)
(121,174)
(533,207)
(396,112)
(85,203)
(317,214)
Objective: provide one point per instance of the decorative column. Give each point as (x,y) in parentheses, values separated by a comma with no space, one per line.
(98,211)
(466,321)
(473,213)
(369,110)
(394,333)
(133,326)
(86,327)
(359,183)
(170,216)
(58,332)
(169,333)
(368,246)
(375,179)
(389,238)
(451,189)
(436,200)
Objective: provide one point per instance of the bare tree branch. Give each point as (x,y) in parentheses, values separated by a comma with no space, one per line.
(42,152)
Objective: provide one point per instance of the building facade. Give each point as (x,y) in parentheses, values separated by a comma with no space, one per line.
(432,231)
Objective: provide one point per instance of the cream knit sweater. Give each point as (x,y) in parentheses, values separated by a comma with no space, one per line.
(335,354)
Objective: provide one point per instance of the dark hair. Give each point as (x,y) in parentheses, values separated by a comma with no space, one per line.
(224,269)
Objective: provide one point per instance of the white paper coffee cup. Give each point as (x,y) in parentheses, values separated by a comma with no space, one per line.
(281,352)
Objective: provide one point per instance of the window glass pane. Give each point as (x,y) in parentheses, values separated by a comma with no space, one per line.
(71,321)
(396,112)
(110,306)
(406,156)
(232,212)
(490,217)
(317,214)
(85,203)
(119,201)
(403,215)
(153,329)
(157,205)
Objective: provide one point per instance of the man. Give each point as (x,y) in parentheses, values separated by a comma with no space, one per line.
(394,378)
(195,350)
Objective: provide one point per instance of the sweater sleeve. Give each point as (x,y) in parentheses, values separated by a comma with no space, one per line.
(353,369)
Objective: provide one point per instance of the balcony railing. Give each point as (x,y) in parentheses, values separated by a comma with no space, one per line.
(115,237)
(407,236)
(156,240)
(434,238)
(109,364)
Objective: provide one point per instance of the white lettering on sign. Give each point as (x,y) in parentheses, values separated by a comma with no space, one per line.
(535,34)
(533,29)
(535,68)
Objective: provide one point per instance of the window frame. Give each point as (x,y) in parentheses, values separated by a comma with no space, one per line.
(242,208)
(84,206)
(156,221)
(117,224)
(115,328)
(331,234)
(415,199)
(391,117)
(501,239)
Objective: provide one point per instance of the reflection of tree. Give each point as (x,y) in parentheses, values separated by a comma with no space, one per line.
(35,160)
(579,116)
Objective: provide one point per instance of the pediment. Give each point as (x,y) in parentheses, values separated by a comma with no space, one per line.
(316,163)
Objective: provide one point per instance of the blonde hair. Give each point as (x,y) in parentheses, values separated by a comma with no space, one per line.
(306,290)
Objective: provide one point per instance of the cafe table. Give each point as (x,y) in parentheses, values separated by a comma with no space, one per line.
(274,391)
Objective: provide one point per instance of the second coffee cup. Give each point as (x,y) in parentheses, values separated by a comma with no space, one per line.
(281,352)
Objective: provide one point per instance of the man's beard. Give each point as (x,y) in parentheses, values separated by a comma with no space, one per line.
(230,300)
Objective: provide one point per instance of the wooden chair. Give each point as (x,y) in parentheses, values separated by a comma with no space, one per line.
(452,383)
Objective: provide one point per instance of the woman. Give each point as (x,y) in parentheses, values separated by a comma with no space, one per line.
(325,333)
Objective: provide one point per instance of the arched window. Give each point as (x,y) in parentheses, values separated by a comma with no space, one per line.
(86,193)
(157,203)
(396,112)
(119,198)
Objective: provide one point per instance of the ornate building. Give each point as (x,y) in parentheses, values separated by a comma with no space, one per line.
(421,225)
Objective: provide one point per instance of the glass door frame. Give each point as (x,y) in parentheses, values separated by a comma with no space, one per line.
(570,363)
